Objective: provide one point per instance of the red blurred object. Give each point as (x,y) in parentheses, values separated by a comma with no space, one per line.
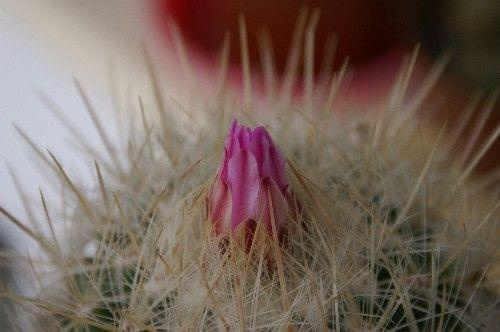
(374,34)
(364,29)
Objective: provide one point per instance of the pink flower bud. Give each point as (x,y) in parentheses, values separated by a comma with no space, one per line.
(250,184)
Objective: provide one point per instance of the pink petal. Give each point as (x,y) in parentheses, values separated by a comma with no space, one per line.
(222,170)
(243,179)
(220,207)
(269,158)
(232,145)
(259,146)
(277,165)
(243,135)
(233,128)
(269,189)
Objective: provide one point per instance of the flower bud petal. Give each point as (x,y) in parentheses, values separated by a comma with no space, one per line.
(277,164)
(251,184)
(243,180)
(220,206)
(259,146)
(272,205)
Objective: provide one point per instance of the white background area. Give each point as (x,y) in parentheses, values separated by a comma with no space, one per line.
(43,45)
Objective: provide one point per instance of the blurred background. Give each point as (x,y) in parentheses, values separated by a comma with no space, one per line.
(44,43)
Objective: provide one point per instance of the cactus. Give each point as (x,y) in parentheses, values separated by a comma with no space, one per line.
(387,229)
